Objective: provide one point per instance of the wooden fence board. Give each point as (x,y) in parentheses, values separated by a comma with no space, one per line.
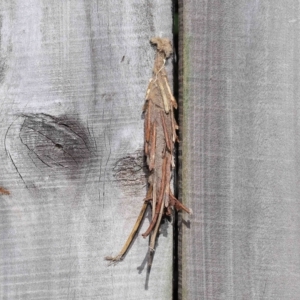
(240,149)
(73,76)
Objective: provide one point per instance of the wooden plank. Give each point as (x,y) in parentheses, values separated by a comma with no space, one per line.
(240,149)
(73,81)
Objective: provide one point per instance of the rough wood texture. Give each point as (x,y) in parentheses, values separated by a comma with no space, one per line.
(240,149)
(73,76)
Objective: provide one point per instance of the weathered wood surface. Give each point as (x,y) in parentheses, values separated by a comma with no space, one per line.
(73,81)
(240,149)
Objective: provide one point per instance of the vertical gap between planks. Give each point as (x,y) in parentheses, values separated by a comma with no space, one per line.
(176,87)
(178,91)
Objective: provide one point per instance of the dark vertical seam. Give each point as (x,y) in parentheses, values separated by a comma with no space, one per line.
(178,93)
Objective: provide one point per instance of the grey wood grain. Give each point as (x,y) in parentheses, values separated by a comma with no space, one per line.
(240,149)
(73,76)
